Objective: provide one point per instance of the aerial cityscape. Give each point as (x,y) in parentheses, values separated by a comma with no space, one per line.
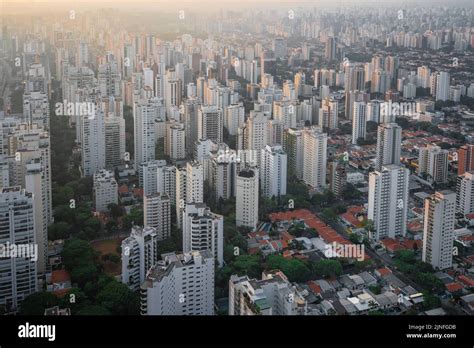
(304,158)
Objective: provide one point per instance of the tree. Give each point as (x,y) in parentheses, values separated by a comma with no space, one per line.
(350,192)
(296,270)
(118,299)
(75,299)
(430,301)
(116,211)
(403,122)
(59,230)
(429,281)
(327,268)
(329,214)
(79,260)
(354,238)
(94,310)
(406,256)
(247,265)
(376,289)
(36,303)
(134,218)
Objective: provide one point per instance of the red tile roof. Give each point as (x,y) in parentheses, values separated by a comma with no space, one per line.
(409,243)
(123,189)
(314,287)
(60,276)
(138,192)
(466,280)
(351,219)
(384,271)
(327,233)
(454,287)
(287,236)
(252,251)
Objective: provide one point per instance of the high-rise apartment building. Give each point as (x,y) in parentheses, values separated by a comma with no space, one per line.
(157,214)
(139,254)
(438,231)
(247,192)
(388,201)
(314,158)
(273,173)
(389,142)
(203,230)
(179,284)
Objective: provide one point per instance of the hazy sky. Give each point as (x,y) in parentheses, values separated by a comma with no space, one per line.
(29,6)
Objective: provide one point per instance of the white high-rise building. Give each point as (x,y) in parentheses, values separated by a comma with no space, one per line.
(285,112)
(465,193)
(166,181)
(82,57)
(144,115)
(388,201)
(157,214)
(221,175)
(194,182)
(328,113)
(191,123)
(210,123)
(423,77)
(273,295)
(114,141)
(438,231)
(148,176)
(442,86)
(109,79)
(359,121)
(293,146)
(139,254)
(180,193)
(433,161)
(36,108)
(105,190)
(175,146)
(180,284)
(373,110)
(18,275)
(234,118)
(31,170)
(253,135)
(247,198)
(34,182)
(315,158)
(173,90)
(93,143)
(203,230)
(273,173)
(389,143)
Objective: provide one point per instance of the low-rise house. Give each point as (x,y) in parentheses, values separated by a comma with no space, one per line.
(368,278)
(467,302)
(387,300)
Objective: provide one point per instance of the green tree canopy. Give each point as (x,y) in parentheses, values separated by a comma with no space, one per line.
(327,268)
(118,299)
(36,303)
(296,270)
